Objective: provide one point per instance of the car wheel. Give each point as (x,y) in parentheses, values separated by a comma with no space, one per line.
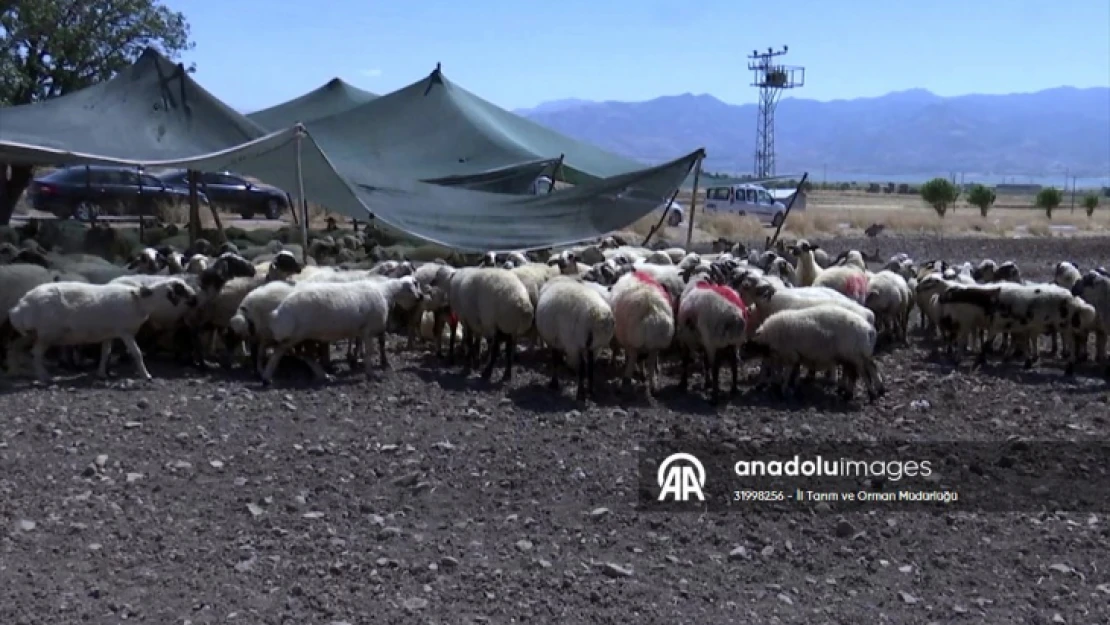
(246,213)
(674,218)
(86,211)
(273,208)
(776,221)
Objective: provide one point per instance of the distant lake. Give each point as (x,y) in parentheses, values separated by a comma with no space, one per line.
(818,176)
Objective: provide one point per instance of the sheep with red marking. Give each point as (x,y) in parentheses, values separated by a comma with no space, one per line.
(712,318)
(644,314)
(847,279)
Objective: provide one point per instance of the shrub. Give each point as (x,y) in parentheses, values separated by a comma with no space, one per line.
(1048,199)
(982,197)
(940,193)
(1090,203)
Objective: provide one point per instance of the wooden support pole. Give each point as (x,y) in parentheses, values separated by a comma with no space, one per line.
(798,189)
(555,173)
(662,219)
(194,207)
(142,206)
(693,202)
(215,215)
(302,203)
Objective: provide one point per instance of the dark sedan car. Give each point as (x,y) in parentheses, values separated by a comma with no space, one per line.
(86,193)
(235,192)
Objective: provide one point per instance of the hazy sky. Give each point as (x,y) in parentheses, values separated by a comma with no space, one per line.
(254,53)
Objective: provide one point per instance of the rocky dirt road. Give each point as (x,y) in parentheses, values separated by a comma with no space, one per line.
(427,497)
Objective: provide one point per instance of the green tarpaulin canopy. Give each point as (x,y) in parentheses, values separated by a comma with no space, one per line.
(334,97)
(434,128)
(155,116)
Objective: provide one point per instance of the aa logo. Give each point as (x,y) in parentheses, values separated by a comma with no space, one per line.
(681,476)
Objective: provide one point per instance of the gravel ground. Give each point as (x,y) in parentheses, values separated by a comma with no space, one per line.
(426,497)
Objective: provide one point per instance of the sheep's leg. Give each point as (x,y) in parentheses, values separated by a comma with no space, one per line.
(714,376)
(231,343)
(651,367)
(734,367)
(38,355)
(510,353)
(275,358)
(554,383)
(136,356)
(494,352)
(1055,347)
(450,346)
(105,353)
(1100,346)
(384,360)
(631,357)
(684,376)
(258,353)
(590,357)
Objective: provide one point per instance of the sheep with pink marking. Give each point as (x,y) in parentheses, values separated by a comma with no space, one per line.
(643,310)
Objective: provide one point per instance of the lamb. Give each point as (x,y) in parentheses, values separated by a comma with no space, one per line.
(327,312)
(717,316)
(808,269)
(823,337)
(890,298)
(985,271)
(769,299)
(963,311)
(576,320)
(644,313)
(252,320)
(72,313)
(1066,274)
(490,303)
(1094,288)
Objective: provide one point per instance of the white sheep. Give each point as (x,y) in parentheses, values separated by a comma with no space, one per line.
(490,303)
(820,337)
(717,318)
(197,263)
(808,269)
(770,298)
(849,280)
(1094,288)
(328,312)
(252,320)
(644,312)
(890,298)
(74,313)
(576,320)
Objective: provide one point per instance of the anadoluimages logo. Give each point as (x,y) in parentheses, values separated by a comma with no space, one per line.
(681,475)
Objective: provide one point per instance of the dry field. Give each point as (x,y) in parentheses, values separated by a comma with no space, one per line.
(849,213)
(426,496)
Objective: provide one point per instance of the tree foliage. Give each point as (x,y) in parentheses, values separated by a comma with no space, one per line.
(982,197)
(1048,199)
(940,193)
(1090,203)
(49,48)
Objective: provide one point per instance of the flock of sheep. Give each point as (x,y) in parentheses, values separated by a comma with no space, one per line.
(789,307)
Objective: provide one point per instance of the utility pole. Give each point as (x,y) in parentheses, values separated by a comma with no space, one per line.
(771,80)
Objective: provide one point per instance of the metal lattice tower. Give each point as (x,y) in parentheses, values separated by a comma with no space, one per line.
(771,80)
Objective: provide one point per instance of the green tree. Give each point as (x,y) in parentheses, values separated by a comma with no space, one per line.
(49,48)
(1090,203)
(982,197)
(1048,199)
(940,193)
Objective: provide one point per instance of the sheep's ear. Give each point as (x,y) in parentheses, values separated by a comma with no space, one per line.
(145,292)
(814,248)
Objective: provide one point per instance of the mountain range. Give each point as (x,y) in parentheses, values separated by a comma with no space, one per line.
(913,132)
